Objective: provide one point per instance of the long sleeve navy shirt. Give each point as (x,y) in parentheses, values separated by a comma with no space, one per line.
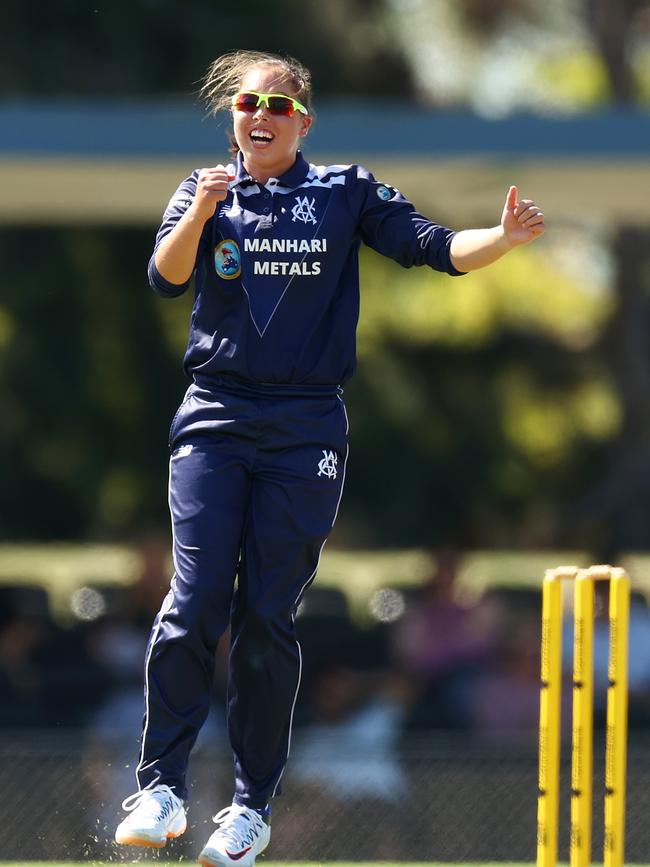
(277,270)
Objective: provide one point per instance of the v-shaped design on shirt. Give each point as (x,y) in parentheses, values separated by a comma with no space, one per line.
(271,260)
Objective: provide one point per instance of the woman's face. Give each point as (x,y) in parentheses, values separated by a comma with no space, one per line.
(275,153)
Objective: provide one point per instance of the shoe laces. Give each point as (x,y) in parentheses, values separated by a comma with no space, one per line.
(156,803)
(238,826)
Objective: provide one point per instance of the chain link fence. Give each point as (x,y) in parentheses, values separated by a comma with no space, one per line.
(439,798)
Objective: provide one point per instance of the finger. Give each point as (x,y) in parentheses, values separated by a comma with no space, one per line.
(212,171)
(527,214)
(535,220)
(214,175)
(209,180)
(210,192)
(511,198)
(216,184)
(523,205)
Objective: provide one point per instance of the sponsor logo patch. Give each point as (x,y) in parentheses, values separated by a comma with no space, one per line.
(384,193)
(227,259)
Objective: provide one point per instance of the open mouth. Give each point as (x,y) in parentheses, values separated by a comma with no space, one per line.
(261,137)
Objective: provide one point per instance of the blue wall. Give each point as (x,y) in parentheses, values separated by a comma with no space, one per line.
(170,129)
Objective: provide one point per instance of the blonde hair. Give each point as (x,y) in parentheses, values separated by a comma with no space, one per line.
(223,77)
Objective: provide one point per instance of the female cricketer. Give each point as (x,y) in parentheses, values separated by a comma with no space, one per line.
(259,443)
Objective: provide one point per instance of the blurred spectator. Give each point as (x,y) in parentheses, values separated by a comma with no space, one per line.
(152,583)
(46,676)
(119,637)
(505,703)
(349,749)
(350,701)
(25,627)
(444,645)
(329,639)
(118,643)
(346,762)
(638,660)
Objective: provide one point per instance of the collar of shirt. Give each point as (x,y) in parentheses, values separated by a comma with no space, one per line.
(293,177)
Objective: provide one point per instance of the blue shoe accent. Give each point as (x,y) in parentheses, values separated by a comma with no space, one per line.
(265,813)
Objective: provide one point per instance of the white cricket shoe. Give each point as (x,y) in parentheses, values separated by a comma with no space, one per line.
(241,835)
(155,815)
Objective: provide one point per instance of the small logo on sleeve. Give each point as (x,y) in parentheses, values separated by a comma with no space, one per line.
(384,193)
(181,200)
(227,259)
(327,466)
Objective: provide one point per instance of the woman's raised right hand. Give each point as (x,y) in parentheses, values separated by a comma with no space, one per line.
(211,188)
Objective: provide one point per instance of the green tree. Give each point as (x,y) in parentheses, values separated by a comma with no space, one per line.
(509,407)
(88,382)
(557,57)
(117,48)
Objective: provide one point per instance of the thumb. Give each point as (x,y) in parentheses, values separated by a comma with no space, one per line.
(511,199)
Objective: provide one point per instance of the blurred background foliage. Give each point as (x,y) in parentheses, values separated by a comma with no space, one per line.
(494,57)
(508,408)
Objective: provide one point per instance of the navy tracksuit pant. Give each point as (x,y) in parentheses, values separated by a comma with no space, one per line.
(256,477)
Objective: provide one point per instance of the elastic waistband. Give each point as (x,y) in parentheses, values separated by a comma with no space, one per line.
(264,389)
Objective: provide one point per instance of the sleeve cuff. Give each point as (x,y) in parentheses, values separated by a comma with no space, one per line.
(162,286)
(451,270)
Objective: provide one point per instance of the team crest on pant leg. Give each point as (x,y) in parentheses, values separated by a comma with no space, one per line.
(327,466)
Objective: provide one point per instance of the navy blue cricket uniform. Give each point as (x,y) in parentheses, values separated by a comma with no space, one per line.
(259,446)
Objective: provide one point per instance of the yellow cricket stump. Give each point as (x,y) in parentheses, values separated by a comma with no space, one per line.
(582,723)
(582,739)
(617,696)
(548,799)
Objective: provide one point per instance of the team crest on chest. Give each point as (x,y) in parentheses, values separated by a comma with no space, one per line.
(303,210)
(227,259)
